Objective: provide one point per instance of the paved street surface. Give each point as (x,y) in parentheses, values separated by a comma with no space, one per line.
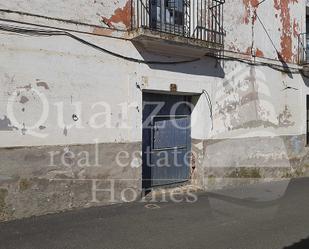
(268,216)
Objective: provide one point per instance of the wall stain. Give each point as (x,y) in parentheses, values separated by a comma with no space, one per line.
(286,31)
(250,7)
(242,106)
(65,131)
(252,96)
(23,130)
(102,31)
(290,27)
(295,29)
(121,15)
(248,51)
(23,100)
(43,84)
(245,173)
(6,125)
(231,46)
(27,87)
(284,118)
(24,184)
(259,53)
(3,195)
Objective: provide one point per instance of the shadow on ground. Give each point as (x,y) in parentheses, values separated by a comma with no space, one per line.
(304,244)
(261,216)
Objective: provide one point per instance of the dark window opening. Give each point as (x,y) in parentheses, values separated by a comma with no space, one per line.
(307,121)
(167,15)
(307,37)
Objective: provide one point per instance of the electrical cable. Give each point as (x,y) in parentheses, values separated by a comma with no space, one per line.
(41,32)
(210,107)
(57,19)
(255,63)
(262,1)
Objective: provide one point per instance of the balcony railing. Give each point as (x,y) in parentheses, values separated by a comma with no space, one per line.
(194,19)
(303,49)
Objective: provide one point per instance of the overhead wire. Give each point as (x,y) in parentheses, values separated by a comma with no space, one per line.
(41,32)
(208,98)
(283,69)
(46,33)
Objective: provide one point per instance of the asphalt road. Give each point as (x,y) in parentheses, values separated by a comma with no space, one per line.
(268,216)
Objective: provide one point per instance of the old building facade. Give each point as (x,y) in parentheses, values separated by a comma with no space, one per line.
(74,76)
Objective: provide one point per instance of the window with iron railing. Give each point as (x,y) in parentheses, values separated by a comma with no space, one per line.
(196,19)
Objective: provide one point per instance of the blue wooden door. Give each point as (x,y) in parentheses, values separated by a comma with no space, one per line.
(166,139)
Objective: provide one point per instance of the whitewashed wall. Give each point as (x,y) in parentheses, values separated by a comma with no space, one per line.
(67,72)
(259,113)
(247,101)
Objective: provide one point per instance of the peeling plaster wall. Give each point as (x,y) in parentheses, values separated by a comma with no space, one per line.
(262,29)
(64,78)
(259,114)
(252,29)
(258,101)
(252,107)
(103,13)
(259,122)
(44,82)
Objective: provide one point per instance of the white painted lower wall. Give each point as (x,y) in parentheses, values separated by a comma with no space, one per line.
(49,79)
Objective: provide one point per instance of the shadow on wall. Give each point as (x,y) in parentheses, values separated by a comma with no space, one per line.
(303,244)
(306,80)
(206,66)
(285,65)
